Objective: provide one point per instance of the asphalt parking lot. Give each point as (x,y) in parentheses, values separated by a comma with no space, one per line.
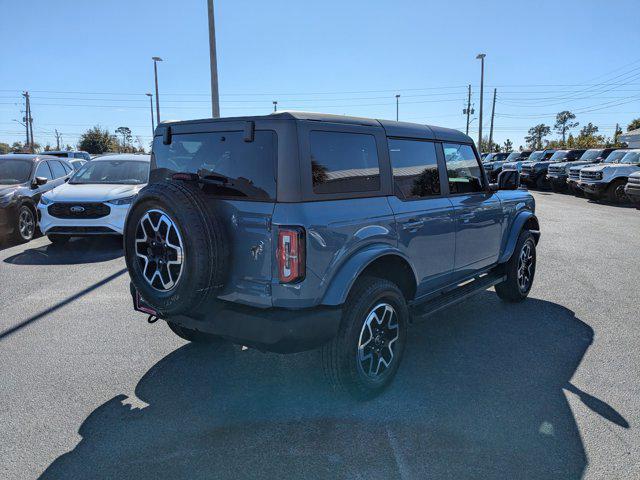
(549,388)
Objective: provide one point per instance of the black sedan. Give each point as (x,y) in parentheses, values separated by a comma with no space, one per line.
(23,179)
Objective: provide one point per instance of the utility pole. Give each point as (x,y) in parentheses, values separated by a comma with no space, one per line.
(480,57)
(153,127)
(275,106)
(58,137)
(468,111)
(29,123)
(215,99)
(397,107)
(155,72)
(25,119)
(493,111)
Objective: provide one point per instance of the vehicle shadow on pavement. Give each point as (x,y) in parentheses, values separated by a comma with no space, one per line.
(76,251)
(480,394)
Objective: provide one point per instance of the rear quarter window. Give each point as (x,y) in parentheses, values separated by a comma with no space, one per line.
(236,168)
(343,162)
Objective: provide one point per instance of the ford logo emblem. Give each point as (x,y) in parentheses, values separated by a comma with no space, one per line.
(77,209)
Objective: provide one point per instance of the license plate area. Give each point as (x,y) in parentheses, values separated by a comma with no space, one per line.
(141,305)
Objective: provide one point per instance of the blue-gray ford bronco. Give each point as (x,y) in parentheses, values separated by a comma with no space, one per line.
(296,231)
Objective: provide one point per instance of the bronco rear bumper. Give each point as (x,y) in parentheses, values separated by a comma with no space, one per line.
(273,329)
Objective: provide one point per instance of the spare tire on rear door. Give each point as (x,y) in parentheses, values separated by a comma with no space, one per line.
(175,247)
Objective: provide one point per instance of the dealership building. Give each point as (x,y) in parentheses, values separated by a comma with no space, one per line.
(632,138)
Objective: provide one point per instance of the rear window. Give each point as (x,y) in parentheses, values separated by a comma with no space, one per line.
(344,162)
(415,168)
(57,169)
(233,167)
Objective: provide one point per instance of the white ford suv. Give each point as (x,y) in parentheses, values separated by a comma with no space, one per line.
(96,199)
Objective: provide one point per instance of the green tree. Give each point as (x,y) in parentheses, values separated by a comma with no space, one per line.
(588,137)
(96,141)
(508,146)
(617,134)
(634,125)
(589,130)
(17,147)
(536,135)
(564,123)
(484,145)
(4,148)
(125,132)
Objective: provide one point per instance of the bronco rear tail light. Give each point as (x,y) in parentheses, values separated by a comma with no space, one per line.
(291,254)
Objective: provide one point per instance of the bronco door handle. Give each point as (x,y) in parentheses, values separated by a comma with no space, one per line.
(412,224)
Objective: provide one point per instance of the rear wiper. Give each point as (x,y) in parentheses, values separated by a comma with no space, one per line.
(202,176)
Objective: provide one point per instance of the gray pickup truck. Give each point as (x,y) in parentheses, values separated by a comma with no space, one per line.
(294,231)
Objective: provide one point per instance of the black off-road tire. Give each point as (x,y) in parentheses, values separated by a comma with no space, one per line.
(557,188)
(510,290)
(205,248)
(615,192)
(576,191)
(194,335)
(339,356)
(59,239)
(542,183)
(591,196)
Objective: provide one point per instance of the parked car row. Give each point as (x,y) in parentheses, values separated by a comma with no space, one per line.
(598,174)
(66,200)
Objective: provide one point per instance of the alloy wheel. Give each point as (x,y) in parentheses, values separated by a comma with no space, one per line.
(377,342)
(26,223)
(526,266)
(159,249)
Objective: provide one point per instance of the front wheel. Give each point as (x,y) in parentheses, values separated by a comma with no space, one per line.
(541,183)
(365,355)
(616,193)
(25,226)
(520,270)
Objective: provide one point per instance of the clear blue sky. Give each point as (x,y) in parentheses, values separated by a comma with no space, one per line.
(89,62)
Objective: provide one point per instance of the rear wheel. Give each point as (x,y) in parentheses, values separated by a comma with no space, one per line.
(520,270)
(25,225)
(58,239)
(365,355)
(615,191)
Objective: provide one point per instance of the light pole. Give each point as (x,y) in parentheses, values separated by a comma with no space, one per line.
(155,72)
(397,106)
(275,106)
(215,99)
(153,127)
(481,56)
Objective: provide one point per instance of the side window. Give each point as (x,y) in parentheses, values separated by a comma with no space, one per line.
(67,167)
(463,169)
(43,171)
(415,168)
(344,162)
(57,169)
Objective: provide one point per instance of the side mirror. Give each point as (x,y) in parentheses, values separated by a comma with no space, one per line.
(39,181)
(508,180)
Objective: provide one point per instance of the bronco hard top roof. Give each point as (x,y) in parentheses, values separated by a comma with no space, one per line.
(392,128)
